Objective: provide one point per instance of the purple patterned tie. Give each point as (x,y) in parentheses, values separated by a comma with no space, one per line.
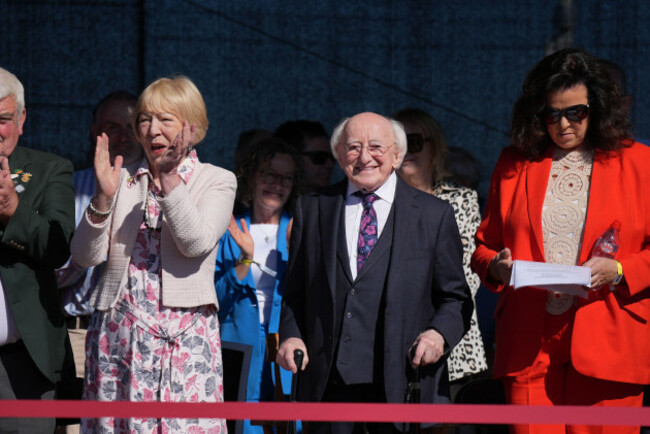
(367,229)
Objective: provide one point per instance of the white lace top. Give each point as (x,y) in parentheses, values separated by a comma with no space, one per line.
(563,214)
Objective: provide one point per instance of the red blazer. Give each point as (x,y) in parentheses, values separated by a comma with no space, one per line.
(611,334)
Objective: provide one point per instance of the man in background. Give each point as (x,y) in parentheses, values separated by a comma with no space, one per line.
(311,140)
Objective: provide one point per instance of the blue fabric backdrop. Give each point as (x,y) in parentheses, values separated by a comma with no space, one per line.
(261,62)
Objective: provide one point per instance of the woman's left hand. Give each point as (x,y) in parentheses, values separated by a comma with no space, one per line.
(603,271)
(175,154)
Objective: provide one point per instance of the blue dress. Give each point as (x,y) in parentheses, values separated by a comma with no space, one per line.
(240,317)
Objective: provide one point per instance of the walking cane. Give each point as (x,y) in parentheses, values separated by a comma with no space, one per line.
(412,392)
(297,357)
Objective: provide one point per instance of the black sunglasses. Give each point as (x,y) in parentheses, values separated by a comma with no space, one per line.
(415,142)
(318,157)
(575,113)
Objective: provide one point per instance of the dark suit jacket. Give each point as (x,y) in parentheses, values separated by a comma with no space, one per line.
(425,287)
(34,243)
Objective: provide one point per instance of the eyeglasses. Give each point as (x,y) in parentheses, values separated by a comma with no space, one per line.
(415,142)
(575,113)
(275,178)
(375,149)
(318,157)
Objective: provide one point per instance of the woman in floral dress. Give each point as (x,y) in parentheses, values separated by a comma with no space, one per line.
(154,335)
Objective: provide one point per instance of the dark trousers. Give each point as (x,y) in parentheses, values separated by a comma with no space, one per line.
(337,391)
(20,378)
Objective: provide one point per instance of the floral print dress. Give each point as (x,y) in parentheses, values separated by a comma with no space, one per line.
(143,351)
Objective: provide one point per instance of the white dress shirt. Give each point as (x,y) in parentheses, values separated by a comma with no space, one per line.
(8,330)
(265,237)
(354,208)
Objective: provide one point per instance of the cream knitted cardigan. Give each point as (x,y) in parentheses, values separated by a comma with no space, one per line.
(195,216)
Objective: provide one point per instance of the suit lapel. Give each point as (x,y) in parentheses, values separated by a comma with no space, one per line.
(330,209)
(537,174)
(18,161)
(406,211)
(605,173)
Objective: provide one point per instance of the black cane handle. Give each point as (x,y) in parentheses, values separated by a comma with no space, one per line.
(298,357)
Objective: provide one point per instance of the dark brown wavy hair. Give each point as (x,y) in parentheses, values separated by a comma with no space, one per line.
(609,122)
(253,160)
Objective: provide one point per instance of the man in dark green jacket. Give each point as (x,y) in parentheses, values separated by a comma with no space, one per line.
(36,224)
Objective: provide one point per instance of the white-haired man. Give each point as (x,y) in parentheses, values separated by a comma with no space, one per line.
(375,280)
(36,224)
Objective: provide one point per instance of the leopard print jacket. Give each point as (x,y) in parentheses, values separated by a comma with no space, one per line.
(468,357)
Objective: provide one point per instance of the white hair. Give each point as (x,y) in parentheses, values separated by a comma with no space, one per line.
(10,85)
(398,132)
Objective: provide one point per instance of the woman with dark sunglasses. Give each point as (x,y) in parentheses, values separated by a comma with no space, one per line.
(572,172)
(252,260)
(424,169)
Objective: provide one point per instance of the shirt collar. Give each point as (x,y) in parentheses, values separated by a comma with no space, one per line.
(385,192)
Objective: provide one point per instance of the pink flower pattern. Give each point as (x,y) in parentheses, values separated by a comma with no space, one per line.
(367,230)
(143,351)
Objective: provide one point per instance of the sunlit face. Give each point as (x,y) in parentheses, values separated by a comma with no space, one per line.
(273,184)
(114,119)
(157,132)
(418,163)
(367,130)
(317,175)
(567,134)
(11,125)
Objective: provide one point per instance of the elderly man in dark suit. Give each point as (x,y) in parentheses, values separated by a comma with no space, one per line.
(375,285)
(36,224)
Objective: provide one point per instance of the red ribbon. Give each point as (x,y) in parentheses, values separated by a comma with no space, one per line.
(342,412)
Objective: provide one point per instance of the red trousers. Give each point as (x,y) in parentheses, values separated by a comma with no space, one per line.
(552,380)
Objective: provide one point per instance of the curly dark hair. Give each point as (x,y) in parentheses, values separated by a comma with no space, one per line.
(255,158)
(609,122)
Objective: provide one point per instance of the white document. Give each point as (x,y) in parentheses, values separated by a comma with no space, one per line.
(568,279)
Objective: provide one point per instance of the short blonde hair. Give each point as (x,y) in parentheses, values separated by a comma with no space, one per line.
(177,95)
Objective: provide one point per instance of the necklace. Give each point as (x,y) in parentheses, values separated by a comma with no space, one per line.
(147,218)
(266,235)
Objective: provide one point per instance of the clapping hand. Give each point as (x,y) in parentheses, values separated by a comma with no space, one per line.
(242,237)
(177,150)
(8,195)
(108,178)
(167,164)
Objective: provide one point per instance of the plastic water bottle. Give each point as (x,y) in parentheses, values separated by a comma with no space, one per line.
(607,245)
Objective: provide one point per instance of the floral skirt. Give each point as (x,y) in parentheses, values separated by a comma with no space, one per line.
(130,357)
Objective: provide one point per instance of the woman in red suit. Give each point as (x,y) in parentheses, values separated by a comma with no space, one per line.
(572,170)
